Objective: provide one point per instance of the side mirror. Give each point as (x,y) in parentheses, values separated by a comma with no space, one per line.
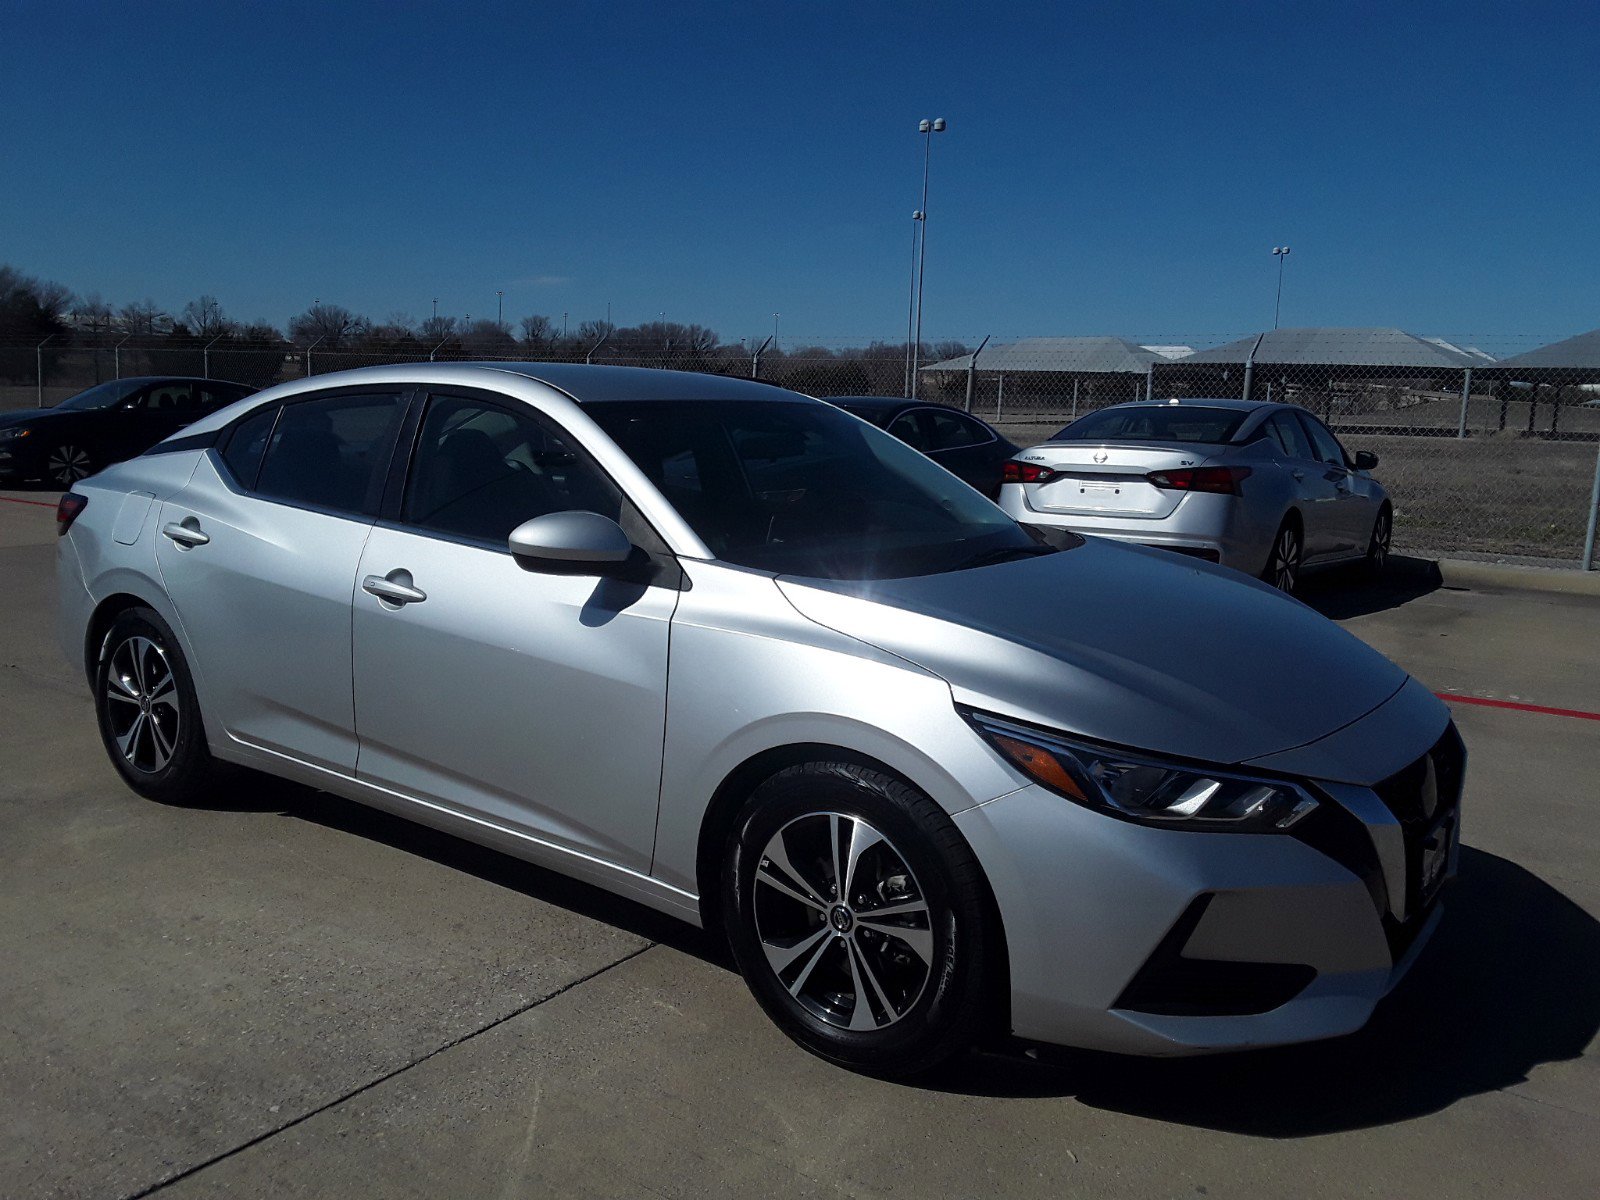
(1365,460)
(581,543)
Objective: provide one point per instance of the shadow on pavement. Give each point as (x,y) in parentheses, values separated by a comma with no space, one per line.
(1345,592)
(1510,981)
(491,866)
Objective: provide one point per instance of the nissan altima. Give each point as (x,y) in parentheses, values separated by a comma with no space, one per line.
(730,652)
(1265,488)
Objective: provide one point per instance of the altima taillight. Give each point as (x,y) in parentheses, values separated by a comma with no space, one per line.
(67,510)
(1224,480)
(1022,472)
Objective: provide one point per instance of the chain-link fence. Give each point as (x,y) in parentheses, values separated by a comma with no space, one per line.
(1487,454)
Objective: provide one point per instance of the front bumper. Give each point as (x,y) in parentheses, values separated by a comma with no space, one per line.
(1152,941)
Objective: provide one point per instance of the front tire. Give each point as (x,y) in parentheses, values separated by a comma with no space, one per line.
(149,718)
(857,914)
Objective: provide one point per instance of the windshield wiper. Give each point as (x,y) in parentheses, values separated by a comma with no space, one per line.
(991,557)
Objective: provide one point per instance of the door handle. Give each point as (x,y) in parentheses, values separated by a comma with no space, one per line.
(186,533)
(395,588)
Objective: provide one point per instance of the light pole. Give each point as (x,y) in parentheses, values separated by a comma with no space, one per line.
(436,308)
(1280,253)
(500,308)
(775,330)
(927,129)
(911,304)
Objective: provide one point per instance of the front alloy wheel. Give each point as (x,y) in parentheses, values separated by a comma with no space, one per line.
(842,921)
(67,464)
(860,919)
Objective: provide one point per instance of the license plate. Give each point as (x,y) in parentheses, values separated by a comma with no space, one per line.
(1086,488)
(1436,846)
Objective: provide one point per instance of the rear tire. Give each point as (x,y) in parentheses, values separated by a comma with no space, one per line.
(67,464)
(1382,537)
(1286,557)
(149,718)
(886,974)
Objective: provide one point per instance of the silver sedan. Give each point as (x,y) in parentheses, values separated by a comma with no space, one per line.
(753,662)
(1264,488)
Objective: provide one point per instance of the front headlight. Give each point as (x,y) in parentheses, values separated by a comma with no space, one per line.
(11,435)
(1139,787)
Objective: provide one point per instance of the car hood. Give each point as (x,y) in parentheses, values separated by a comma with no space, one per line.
(11,420)
(1123,645)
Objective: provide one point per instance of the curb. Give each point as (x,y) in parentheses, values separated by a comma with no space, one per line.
(1502,577)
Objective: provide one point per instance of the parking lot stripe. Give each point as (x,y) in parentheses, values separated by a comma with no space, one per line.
(1451,698)
(35,503)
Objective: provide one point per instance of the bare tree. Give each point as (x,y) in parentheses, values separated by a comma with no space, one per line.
(437,329)
(332,323)
(204,317)
(538,332)
(489,339)
(143,318)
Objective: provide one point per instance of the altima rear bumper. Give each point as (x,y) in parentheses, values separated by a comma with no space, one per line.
(1140,940)
(1213,527)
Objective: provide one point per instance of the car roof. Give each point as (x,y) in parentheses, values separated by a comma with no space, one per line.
(872,402)
(1199,401)
(171,379)
(597,384)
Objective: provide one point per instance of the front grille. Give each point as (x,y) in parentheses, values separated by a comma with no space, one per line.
(1420,795)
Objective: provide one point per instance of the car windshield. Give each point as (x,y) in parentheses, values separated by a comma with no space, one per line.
(800,488)
(106,395)
(1155,423)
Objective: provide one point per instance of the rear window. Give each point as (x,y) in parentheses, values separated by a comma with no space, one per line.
(1155,423)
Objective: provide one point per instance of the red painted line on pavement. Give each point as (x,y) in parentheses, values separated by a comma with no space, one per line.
(35,503)
(1516,707)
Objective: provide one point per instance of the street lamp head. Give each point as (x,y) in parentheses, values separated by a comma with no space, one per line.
(938,125)
(1280,250)
(917,215)
(924,126)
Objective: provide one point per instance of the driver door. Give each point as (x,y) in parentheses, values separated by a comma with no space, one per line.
(533,701)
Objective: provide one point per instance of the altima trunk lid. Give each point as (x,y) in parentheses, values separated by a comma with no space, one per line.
(1108,478)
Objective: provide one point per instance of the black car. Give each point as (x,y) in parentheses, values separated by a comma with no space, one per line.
(105,424)
(957,441)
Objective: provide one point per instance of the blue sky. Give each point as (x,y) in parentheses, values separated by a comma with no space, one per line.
(1108,168)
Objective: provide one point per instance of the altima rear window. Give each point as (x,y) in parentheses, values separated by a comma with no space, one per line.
(1156,423)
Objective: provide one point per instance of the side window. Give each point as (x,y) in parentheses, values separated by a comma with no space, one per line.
(952,431)
(247,443)
(909,430)
(212,398)
(332,452)
(1287,433)
(170,398)
(1327,446)
(479,471)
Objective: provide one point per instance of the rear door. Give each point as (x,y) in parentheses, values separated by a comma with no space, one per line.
(532,700)
(963,446)
(1314,491)
(1350,514)
(259,554)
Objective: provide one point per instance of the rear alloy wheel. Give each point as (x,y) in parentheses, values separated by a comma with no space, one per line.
(857,916)
(147,712)
(67,464)
(1382,536)
(1283,565)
